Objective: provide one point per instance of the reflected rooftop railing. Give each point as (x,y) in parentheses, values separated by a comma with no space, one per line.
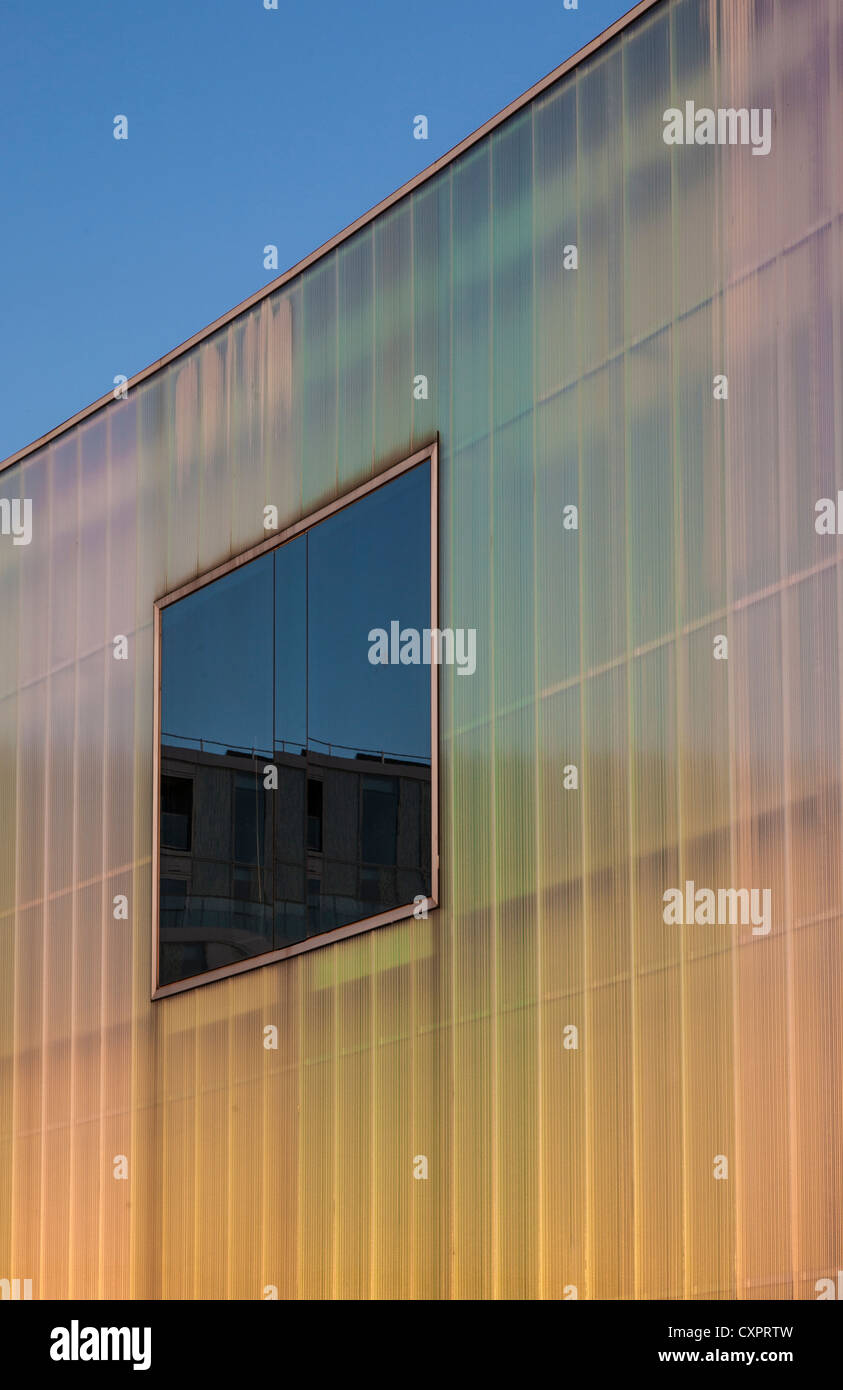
(294,746)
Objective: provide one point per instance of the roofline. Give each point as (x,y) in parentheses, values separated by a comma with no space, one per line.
(349,231)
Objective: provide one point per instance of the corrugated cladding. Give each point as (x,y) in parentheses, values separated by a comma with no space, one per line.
(549,1166)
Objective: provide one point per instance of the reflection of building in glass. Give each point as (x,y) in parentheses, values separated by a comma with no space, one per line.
(273,652)
(247,869)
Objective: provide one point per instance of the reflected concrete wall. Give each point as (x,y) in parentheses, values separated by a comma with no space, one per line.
(248,868)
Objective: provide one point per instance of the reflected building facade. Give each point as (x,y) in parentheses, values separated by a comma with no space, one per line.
(632,443)
(247,869)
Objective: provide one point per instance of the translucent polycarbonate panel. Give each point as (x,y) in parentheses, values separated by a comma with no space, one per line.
(396,387)
(809,611)
(471,238)
(431,304)
(656,966)
(319,405)
(708,1041)
(355,328)
(757,59)
(651,581)
(647,221)
(557,550)
(602,533)
(607,1065)
(806,388)
(696,252)
(750,342)
(608,979)
(556,211)
(700,478)
(600,191)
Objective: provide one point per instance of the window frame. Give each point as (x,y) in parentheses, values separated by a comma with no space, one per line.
(428,454)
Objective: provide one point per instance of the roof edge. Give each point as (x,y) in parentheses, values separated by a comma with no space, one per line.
(409,187)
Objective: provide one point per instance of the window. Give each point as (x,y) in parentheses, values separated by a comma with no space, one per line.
(314,814)
(379,835)
(296,761)
(176,812)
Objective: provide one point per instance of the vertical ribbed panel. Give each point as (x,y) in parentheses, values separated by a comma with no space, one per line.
(549,1165)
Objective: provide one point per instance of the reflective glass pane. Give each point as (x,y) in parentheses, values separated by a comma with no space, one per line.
(217,736)
(369,704)
(291,814)
(216,844)
(216,660)
(291,646)
(368,569)
(295,767)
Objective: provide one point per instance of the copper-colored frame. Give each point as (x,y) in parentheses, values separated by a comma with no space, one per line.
(431,453)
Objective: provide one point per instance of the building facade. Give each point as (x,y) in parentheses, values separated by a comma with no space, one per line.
(607,1063)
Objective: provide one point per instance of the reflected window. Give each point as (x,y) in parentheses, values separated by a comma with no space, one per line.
(176,812)
(379,836)
(296,768)
(314,814)
(173,900)
(249,819)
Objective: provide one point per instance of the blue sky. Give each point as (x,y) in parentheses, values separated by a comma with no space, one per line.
(246,127)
